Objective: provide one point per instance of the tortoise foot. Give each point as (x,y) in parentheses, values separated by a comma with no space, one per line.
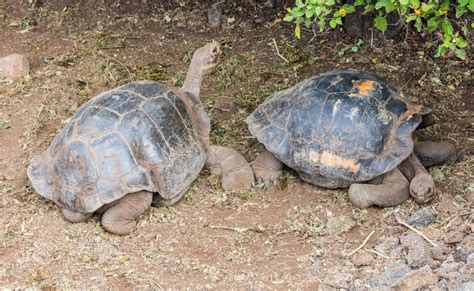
(267,168)
(75,217)
(120,218)
(392,191)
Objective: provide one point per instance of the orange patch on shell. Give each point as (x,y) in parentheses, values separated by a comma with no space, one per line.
(364,87)
(334,161)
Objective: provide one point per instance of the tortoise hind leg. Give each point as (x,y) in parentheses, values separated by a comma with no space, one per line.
(434,153)
(391,189)
(234,170)
(267,168)
(120,217)
(75,217)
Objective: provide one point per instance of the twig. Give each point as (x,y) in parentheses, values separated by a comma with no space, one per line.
(377,253)
(237,229)
(399,220)
(278,51)
(362,245)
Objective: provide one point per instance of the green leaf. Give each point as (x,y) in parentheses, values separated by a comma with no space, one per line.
(411,17)
(318,10)
(310,13)
(463,2)
(359,2)
(418,24)
(404,2)
(447,27)
(307,22)
(460,42)
(298,32)
(288,18)
(348,8)
(333,23)
(380,22)
(314,2)
(415,3)
(321,24)
(460,53)
(432,23)
(460,11)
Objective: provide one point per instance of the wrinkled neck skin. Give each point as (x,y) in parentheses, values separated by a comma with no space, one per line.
(193,81)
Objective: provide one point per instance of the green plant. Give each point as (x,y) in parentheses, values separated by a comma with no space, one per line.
(442,16)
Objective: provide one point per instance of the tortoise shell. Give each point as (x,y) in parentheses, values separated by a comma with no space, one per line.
(139,136)
(338,128)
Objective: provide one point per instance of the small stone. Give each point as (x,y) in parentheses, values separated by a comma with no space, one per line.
(363,259)
(449,269)
(437,254)
(416,279)
(447,205)
(391,275)
(388,244)
(453,237)
(422,217)
(14,66)
(465,249)
(224,108)
(419,253)
(339,224)
(215,17)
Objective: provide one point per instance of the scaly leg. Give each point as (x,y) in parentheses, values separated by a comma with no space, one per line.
(433,153)
(422,186)
(388,190)
(234,170)
(74,217)
(267,168)
(120,217)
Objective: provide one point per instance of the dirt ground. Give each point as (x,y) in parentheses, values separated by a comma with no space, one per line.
(291,235)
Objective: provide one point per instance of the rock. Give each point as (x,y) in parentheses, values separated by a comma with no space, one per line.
(391,275)
(468,286)
(419,253)
(14,66)
(388,244)
(438,254)
(339,224)
(464,249)
(363,259)
(416,279)
(447,205)
(215,17)
(224,108)
(422,217)
(449,269)
(453,237)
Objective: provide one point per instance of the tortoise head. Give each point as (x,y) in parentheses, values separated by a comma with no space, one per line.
(207,56)
(38,174)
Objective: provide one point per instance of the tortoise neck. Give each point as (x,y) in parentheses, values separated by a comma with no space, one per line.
(192,83)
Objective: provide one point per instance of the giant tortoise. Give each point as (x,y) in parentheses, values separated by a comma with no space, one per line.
(345,128)
(134,145)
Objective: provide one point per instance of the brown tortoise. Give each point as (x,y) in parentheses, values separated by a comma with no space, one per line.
(135,144)
(346,128)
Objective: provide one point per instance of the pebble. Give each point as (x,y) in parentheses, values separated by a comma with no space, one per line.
(453,237)
(362,259)
(464,249)
(391,275)
(337,225)
(422,217)
(417,279)
(419,253)
(438,254)
(447,205)
(14,66)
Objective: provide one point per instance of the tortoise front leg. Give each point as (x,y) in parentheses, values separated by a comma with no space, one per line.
(267,168)
(422,186)
(120,217)
(391,189)
(234,170)
(75,217)
(432,153)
